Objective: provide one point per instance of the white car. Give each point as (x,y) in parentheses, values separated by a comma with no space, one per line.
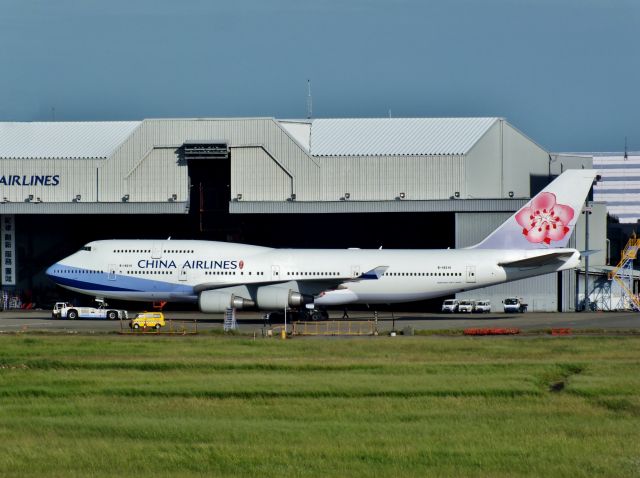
(465,306)
(482,306)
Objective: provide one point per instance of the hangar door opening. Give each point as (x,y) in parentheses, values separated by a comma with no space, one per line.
(209,164)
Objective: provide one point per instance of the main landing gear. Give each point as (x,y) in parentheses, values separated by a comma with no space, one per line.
(277,317)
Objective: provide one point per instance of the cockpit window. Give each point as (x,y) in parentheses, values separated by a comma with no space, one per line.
(86,248)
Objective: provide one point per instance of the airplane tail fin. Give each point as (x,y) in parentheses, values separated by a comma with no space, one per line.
(548,219)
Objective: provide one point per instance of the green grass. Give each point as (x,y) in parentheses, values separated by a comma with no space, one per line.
(73,406)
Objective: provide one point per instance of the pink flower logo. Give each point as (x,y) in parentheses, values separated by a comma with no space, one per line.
(241,264)
(544,220)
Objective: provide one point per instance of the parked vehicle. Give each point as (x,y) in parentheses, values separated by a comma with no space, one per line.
(65,310)
(148,320)
(514,304)
(450,305)
(465,306)
(482,306)
(593,306)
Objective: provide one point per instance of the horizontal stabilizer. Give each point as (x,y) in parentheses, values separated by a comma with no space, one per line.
(589,252)
(374,274)
(538,261)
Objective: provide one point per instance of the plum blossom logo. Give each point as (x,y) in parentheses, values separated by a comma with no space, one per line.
(544,220)
(241,264)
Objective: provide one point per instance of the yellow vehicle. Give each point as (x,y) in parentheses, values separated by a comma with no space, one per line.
(148,319)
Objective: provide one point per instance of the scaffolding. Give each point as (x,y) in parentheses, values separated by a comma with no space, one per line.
(230,322)
(623,275)
(601,293)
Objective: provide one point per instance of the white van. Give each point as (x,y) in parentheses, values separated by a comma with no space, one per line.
(482,306)
(465,306)
(450,305)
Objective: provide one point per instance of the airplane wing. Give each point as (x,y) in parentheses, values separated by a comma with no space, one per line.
(537,261)
(373,274)
(323,283)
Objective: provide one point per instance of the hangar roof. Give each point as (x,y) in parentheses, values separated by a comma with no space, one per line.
(63,140)
(320,137)
(396,136)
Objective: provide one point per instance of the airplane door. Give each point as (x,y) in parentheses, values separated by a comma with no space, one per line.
(183,275)
(471,273)
(112,272)
(355,271)
(156,250)
(275,272)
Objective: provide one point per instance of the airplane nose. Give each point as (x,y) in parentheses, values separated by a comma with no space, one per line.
(51,272)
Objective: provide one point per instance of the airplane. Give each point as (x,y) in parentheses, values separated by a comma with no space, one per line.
(220,275)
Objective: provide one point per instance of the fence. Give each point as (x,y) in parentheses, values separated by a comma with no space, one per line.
(334,327)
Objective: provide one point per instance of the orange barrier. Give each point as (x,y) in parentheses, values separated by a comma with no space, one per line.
(492,331)
(561,331)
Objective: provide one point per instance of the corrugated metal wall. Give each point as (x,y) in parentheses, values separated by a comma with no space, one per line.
(268,165)
(74,177)
(385,177)
(147,166)
(264,133)
(159,163)
(471,228)
(344,206)
(540,293)
(258,176)
(522,159)
(484,165)
(503,160)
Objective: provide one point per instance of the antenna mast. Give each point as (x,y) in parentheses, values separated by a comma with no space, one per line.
(309,100)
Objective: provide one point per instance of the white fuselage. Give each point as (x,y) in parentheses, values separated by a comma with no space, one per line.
(147,270)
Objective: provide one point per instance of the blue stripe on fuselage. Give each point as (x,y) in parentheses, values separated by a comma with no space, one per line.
(78,284)
(75,277)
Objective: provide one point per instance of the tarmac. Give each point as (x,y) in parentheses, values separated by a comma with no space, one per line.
(253,322)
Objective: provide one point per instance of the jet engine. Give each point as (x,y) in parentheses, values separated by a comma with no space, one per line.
(272,297)
(211,301)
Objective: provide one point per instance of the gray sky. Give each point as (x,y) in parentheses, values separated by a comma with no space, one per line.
(565,72)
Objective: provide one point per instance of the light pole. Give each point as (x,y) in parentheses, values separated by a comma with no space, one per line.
(587,213)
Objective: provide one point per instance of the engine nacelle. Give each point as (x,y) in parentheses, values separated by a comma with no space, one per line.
(217,301)
(272,297)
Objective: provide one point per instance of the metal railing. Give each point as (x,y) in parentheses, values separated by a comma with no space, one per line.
(334,327)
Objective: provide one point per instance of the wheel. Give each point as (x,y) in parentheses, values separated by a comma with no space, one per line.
(316,315)
(157,326)
(136,326)
(112,315)
(72,314)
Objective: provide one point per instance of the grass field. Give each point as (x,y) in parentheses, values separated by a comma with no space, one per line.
(74,406)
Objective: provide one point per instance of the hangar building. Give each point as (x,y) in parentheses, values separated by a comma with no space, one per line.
(372,182)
